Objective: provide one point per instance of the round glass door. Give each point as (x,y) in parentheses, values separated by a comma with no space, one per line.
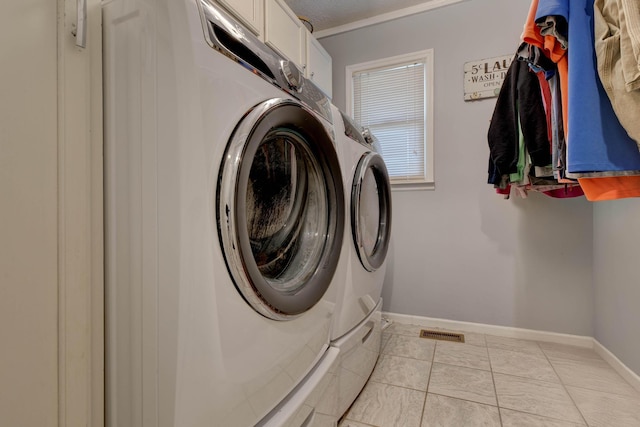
(280,209)
(371,211)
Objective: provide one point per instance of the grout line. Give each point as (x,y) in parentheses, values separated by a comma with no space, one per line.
(464,367)
(395,385)
(564,387)
(533,379)
(526,378)
(583,366)
(495,389)
(426,394)
(545,356)
(407,357)
(465,400)
(609,393)
(546,417)
(359,422)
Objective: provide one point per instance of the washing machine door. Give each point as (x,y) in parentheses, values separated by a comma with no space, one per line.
(371,211)
(280,208)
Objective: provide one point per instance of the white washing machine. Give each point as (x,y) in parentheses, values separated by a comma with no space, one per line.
(224,223)
(356,330)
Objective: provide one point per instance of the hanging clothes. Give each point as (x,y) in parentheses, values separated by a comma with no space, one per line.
(547,72)
(554,45)
(592,106)
(617,44)
(610,188)
(520,138)
(549,34)
(519,110)
(596,142)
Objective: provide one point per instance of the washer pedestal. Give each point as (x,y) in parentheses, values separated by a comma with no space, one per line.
(359,351)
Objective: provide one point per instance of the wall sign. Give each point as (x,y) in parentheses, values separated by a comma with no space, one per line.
(483,78)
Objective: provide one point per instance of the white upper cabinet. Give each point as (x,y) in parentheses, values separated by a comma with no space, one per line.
(249,12)
(279,27)
(284,32)
(318,68)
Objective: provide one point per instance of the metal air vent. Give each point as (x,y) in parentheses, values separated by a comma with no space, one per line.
(442,336)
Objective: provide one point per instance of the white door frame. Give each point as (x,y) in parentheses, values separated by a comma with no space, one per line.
(80,220)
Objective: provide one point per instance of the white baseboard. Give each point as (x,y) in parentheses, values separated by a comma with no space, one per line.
(521,333)
(622,369)
(502,331)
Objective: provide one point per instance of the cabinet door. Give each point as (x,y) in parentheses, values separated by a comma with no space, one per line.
(284,32)
(318,65)
(249,12)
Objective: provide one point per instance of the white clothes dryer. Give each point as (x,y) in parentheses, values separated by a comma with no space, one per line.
(368,192)
(356,330)
(224,221)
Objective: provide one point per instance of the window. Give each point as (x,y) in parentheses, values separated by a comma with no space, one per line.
(393,98)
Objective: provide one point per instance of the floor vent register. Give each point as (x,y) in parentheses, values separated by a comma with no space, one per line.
(442,336)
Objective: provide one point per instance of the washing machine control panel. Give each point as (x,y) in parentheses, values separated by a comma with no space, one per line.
(367,135)
(232,39)
(356,132)
(292,75)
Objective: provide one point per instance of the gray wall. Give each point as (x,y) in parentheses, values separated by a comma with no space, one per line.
(461,252)
(617,278)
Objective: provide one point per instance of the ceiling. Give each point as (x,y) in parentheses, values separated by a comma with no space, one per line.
(325,14)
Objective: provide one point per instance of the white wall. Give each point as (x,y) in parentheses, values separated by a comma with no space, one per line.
(617,278)
(28,214)
(461,252)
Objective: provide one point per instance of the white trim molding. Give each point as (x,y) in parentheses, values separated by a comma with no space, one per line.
(425,57)
(622,369)
(501,331)
(521,333)
(389,16)
(80,220)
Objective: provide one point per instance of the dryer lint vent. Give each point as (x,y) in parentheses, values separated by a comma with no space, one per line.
(442,336)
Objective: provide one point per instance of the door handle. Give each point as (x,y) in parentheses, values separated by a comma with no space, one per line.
(81,24)
(371,327)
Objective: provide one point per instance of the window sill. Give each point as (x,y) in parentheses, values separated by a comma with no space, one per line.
(413,186)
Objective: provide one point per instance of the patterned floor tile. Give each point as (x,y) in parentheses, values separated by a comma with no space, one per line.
(535,397)
(384,405)
(564,351)
(462,383)
(605,409)
(513,344)
(593,375)
(402,372)
(442,411)
(520,419)
(413,347)
(469,356)
(522,365)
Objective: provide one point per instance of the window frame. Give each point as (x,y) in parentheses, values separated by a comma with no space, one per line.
(425,57)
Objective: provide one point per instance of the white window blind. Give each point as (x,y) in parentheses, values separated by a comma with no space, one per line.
(392,101)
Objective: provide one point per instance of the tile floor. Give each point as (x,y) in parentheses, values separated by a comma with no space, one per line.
(490,381)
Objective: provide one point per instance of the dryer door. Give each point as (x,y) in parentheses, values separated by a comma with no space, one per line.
(371,211)
(280,209)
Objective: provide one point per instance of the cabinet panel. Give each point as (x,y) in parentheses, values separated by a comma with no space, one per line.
(284,32)
(318,65)
(249,12)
